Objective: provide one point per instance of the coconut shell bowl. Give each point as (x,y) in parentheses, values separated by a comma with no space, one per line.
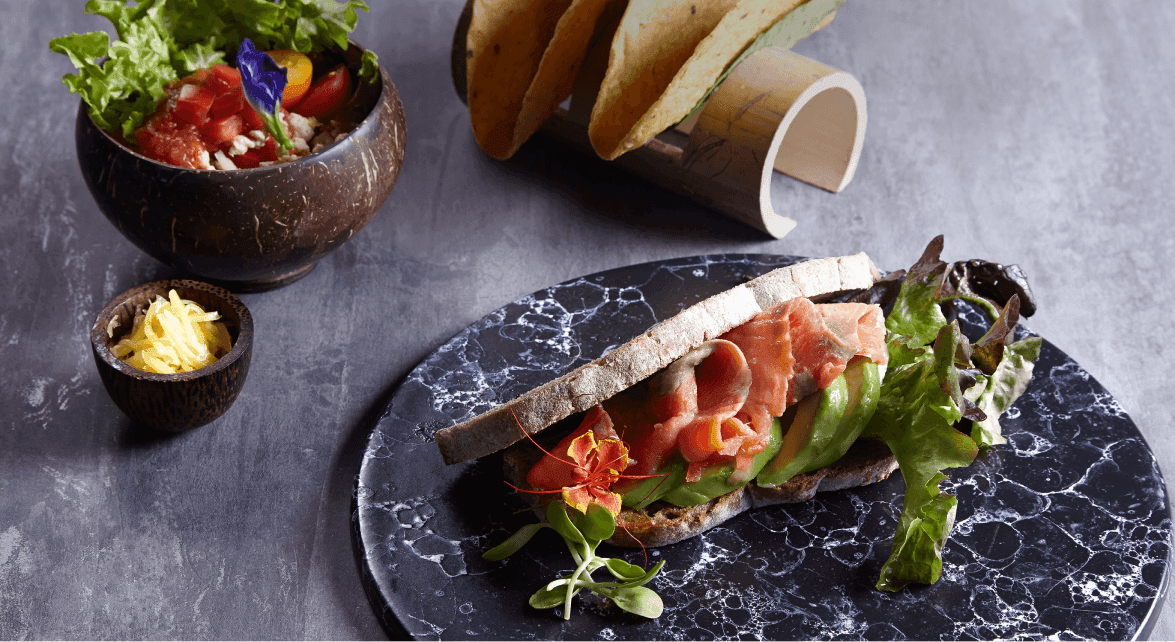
(181,401)
(252,229)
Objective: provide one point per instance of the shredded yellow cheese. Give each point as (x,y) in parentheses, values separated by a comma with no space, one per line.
(173,335)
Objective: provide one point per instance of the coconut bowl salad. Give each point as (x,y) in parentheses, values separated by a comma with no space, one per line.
(220,84)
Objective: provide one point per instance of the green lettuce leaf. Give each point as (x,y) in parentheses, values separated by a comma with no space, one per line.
(369,66)
(124,89)
(321,23)
(198,56)
(922,532)
(934,379)
(161,40)
(915,419)
(995,393)
(916,315)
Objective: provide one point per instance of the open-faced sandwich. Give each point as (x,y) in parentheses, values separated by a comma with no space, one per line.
(795,382)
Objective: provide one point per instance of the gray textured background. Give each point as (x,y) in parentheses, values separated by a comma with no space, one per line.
(1037,133)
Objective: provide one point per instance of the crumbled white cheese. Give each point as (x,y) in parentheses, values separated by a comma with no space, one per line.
(243,143)
(301,126)
(222,161)
(300,146)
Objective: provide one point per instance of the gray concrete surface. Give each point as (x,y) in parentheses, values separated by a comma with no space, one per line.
(1037,133)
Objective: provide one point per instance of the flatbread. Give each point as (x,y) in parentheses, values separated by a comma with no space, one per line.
(663,61)
(525,57)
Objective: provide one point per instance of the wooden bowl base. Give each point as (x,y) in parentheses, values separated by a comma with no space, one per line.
(264,285)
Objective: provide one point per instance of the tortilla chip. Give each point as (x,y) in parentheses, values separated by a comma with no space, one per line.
(665,58)
(560,65)
(506,42)
(523,60)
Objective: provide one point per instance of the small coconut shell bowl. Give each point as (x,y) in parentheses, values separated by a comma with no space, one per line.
(185,400)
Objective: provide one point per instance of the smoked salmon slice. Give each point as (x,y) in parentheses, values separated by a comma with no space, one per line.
(717,402)
(798,348)
(688,406)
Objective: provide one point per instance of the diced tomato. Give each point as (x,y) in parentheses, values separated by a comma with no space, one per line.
(223,78)
(207,110)
(218,86)
(246,160)
(168,141)
(252,120)
(219,132)
(193,103)
(228,103)
(145,138)
(196,77)
(267,151)
(326,94)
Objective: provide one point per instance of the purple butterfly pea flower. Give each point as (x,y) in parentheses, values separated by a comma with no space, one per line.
(263,81)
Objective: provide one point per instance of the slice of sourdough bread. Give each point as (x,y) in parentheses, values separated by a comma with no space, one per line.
(592,383)
(661,523)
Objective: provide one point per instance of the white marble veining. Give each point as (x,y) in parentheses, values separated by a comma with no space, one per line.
(1064,531)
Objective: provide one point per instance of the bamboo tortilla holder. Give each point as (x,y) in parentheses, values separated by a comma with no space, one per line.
(776,111)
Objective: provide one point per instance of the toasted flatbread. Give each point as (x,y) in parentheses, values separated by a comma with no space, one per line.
(521,61)
(662,64)
(592,383)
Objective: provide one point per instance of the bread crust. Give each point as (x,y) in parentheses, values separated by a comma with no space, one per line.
(644,355)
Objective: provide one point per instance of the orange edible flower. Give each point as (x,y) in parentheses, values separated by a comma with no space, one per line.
(585,464)
(601,464)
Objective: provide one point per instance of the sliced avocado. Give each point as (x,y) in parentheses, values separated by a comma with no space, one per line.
(638,493)
(864,380)
(715,478)
(826,424)
(816,416)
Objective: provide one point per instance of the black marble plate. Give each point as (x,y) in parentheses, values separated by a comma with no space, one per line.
(1063,532)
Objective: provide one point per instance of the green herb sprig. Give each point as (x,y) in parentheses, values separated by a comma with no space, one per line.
(583,533)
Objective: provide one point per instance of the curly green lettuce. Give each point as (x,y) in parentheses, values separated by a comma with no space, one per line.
(161,40)
(936,378)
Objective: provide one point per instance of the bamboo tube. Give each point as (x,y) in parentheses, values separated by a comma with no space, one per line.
(776,111)
(783,111)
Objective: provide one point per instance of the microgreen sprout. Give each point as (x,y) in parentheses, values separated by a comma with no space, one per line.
(583,532)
